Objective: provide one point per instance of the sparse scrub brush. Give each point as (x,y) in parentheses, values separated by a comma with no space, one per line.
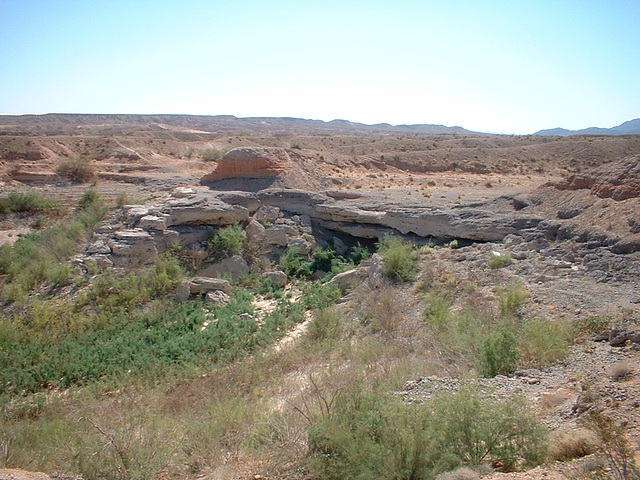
(499,260)
(500,354)
(510,299)
(76,169)
(212,154)
(399,259)
(544,342)
(228,240)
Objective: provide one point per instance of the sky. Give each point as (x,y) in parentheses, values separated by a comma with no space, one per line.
(511,66)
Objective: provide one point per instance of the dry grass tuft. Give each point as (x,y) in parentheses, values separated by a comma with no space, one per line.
(575,444)
(621,370)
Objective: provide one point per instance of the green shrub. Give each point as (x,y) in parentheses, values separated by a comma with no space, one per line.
(437,311)
(317,296)
(76,169)
(30,202)
(369,435)
(322,259)
(327,260)
(37,258)
(500,353)
(212,154)
(294,265)
(359,253)
(399,259)
(113,334)
(499,261)
(510,299)
(472,427)
(228,240)
(544,342)
(325,326)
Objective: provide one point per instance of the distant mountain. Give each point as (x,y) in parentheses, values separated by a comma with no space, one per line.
(632,127)
(66,123)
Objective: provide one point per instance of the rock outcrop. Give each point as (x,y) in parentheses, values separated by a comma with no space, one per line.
(254,162)
(617,180)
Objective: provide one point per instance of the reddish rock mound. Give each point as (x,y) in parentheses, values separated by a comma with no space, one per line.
(617,180)
(256,162)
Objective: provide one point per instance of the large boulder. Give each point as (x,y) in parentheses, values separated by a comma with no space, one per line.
(234,267)
(349,279)
(255,231)
(204,209)
(133,247)
(278,278)
(253,162)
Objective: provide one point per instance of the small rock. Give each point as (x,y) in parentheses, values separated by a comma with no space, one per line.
(255,231)
(153,222)
(183,192)
(300,244)
(183,291)
(217,298)
(278,278)
(199,285)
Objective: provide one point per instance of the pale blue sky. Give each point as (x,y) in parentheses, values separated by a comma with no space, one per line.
(494,66)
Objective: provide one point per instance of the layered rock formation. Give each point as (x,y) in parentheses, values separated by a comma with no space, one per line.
(251,163)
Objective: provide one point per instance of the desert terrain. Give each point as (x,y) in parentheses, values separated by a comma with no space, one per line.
(539,235)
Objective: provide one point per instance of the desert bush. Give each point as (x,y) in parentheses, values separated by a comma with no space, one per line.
(500,354)
(212,154)
(295,265)
(76,169)
(359,253)
(619,456)
(621,370)
(317,296)
(544,342)
(30,202)
(474,427)
(113,334)
(42,257)
(438,309)
(499,261)
(584,327)
(511,298)
(326,325)
(374,436)
(399,259)
(574,444)
(228,240)
(384,314)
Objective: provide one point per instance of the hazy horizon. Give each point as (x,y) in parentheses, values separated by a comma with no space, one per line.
(493,67)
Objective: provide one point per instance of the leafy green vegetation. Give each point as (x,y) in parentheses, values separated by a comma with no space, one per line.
(499,261)
(226,241)
(42,257)
(511,298)
(124,326)
(367,436)
(399,259)
(497,346)
(30,202)
(500,353)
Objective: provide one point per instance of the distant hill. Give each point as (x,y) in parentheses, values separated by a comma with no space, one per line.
(632,127)
(63,123)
